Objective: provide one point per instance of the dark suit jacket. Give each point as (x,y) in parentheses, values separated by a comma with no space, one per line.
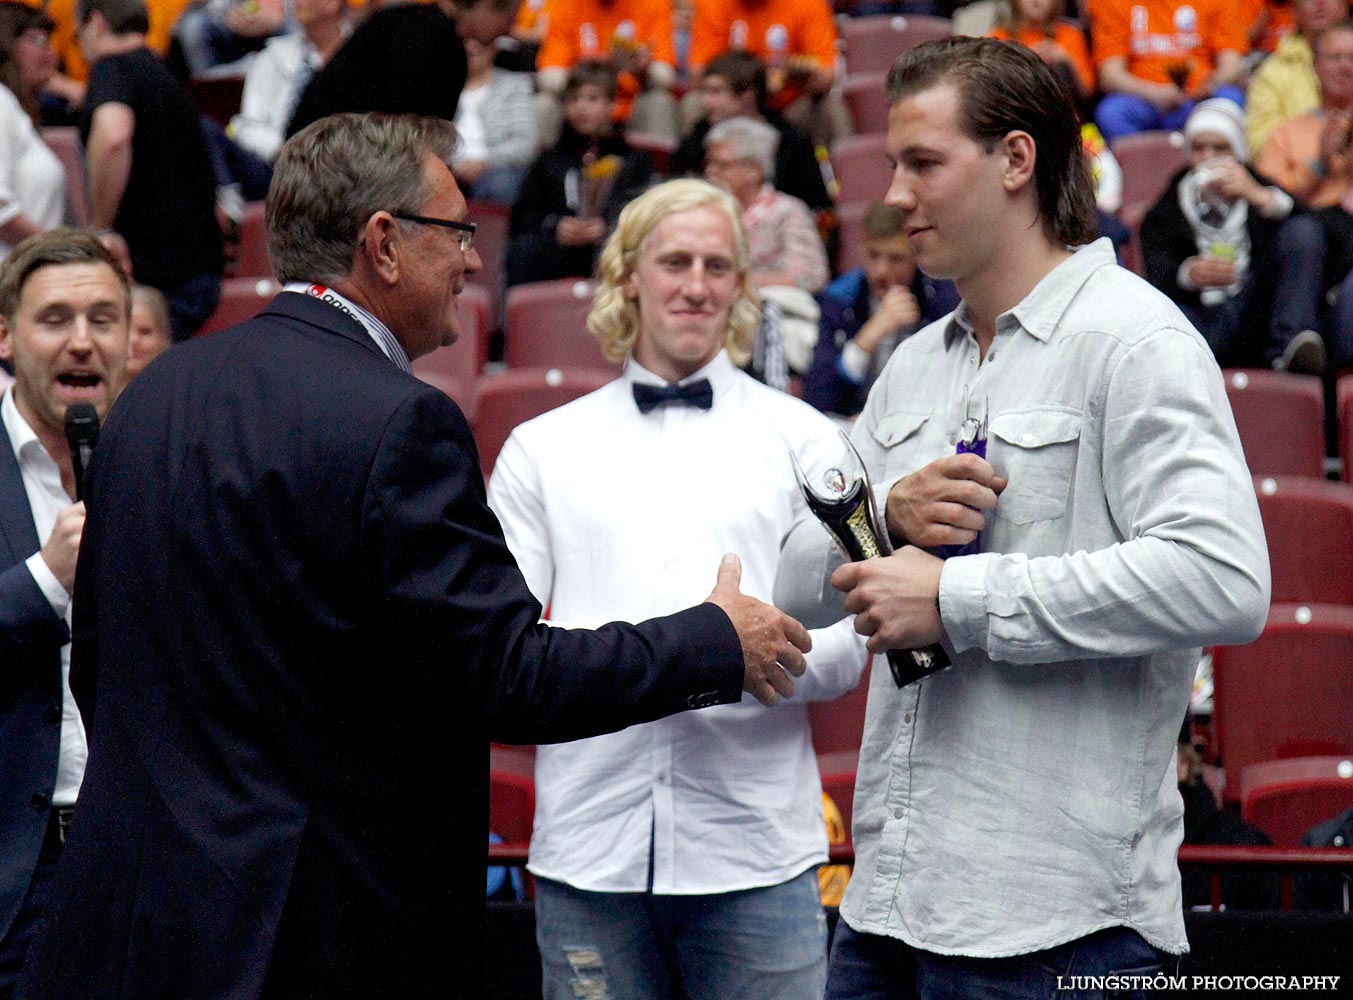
(31,637)
(297,629)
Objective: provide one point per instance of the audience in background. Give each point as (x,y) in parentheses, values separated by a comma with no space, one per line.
(1285,86)
(150,173)
(279,74)
(150,334)
(734,85)
(634,36)
(575,189)
(868,311)
(496,122)
(1311,156)
(32,181)
(1039,25)
(1216,244)
(795,39)
(1155,61)
(212,32)
(404,58)
(788,261)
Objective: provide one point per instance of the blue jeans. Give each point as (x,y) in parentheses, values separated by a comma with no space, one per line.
(1123,114)
(872,967)
(754,944)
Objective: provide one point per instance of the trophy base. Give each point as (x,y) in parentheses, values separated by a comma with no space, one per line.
(911,665)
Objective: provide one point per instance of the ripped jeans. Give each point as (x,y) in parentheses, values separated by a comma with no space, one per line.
(753,944)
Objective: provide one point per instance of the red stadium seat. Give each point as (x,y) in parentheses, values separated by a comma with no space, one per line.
(1309,525)
(1281,419)
(217,96)
(512,792)
(64,141)
(511,397)
(546,325)
(838,725)
(241,299)
(873,43)
(850,244)
(490,242)
(866,98)
(1148,161)
(1344,409)
(455,369)
(1287,694)
(251,259)
(861,168)
(658,147)
(1285,798)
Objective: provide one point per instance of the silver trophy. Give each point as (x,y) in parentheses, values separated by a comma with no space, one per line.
(848,513)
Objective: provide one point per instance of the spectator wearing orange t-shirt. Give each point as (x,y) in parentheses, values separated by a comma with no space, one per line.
(1038,25)
(1157,58)
(633,36)
(796,39)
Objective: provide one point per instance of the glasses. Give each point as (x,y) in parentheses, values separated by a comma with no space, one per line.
(466,230)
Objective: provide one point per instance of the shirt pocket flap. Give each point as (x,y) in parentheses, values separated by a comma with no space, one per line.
(897,427)
(1037,428)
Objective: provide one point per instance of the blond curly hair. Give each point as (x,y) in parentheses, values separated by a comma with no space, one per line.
(614,318)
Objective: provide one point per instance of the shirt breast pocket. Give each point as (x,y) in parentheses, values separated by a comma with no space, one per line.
(1038,450)
(899,434)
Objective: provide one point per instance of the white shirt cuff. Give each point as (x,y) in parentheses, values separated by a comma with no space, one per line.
(963,600)
(48,583)
(854,362)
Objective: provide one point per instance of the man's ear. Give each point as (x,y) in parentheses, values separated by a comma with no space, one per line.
(379,245)
(1020,156)
(6,342)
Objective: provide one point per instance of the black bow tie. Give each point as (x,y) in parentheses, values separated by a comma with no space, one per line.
(699,394)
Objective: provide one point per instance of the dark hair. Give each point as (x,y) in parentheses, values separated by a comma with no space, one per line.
(882,221)
(336,173)
(1002,88)
(50,249)
(124,17)
(593,73)
(742,70)
(15,20)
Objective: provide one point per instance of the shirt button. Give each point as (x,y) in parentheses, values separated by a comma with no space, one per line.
(41,801)
(1028,438)
(907,718)
(52,713)
(899,813)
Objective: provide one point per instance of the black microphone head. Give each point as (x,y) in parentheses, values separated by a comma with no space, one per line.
(82,425)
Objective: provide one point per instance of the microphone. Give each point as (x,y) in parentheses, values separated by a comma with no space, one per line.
(82,432)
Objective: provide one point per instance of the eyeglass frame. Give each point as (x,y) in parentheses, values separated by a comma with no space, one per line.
(466,229)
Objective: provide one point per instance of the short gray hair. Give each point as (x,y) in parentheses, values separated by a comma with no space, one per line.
(333,175)
(751,140)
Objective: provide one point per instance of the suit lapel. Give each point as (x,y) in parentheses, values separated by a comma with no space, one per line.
(16,517)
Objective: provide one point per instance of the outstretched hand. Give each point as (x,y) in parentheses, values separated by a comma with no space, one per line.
(773,643)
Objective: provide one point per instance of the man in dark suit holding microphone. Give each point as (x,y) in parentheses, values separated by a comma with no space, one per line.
(298,627)
(64,313)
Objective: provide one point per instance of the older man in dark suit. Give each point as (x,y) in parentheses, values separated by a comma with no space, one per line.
(64,310)
(298,627)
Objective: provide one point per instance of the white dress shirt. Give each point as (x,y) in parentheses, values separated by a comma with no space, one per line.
(617,515)
(1027,796)
(32,180)
(46,499)
(272,86)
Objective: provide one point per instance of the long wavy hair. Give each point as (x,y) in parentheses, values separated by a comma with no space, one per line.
(615,319)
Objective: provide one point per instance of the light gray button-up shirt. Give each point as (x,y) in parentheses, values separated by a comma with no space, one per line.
(1027,796)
